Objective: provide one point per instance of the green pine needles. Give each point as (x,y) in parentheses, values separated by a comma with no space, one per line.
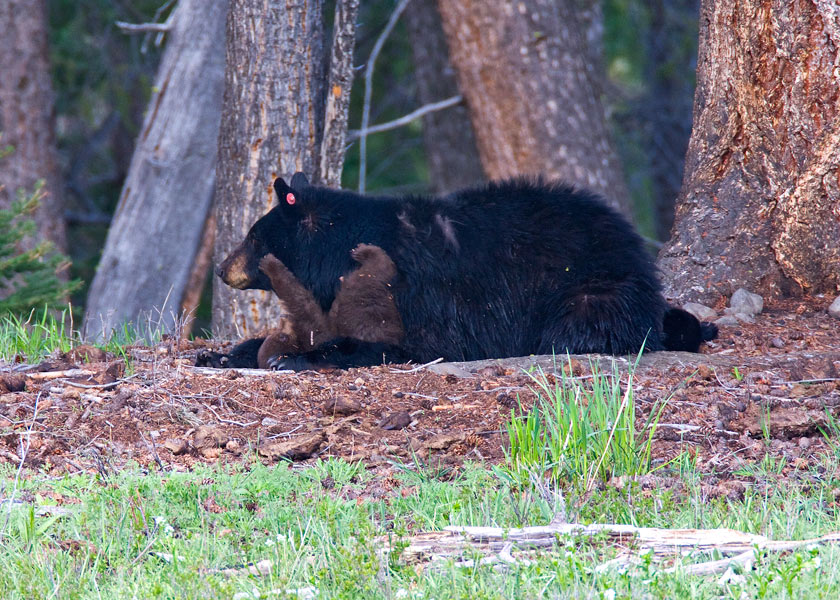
(29,277)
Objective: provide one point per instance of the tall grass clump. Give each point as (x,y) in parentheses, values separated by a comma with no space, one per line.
(581,429)
(42,333)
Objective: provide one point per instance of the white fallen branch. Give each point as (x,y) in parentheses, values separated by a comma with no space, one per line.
(498,543)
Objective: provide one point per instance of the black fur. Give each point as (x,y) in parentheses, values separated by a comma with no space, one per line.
(682,331)
(509,269)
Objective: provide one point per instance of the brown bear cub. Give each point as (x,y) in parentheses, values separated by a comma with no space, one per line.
(363,308)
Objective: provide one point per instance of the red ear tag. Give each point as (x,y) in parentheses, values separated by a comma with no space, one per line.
(290,198)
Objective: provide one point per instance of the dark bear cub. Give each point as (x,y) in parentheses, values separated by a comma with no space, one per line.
(363,308)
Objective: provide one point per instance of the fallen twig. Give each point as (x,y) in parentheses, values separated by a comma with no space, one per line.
(48,375)
(420,368)
(228,421)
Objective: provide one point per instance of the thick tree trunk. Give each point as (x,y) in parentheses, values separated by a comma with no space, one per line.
(760,203)
(272,119)
(523,68)
(448,138)
(158,226)
(26,114)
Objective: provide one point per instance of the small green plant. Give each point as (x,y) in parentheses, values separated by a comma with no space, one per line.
(580,430)
(28,277)
(736,373)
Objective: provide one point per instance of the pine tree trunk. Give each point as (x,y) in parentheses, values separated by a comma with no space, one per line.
(760,202)
(26,114)
(158,226)
(448,137)
(272,119)
(523,67)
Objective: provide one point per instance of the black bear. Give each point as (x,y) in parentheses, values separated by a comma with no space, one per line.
(363,308)
(512,268)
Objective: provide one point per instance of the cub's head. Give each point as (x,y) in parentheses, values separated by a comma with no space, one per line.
(300,230)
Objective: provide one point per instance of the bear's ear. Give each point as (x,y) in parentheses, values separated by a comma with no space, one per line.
(285,194)
(299,181)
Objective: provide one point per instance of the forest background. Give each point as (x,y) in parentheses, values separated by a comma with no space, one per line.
(102,80)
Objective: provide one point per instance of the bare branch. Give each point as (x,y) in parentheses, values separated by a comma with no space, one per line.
(406,119)
(144,27)
(377,48)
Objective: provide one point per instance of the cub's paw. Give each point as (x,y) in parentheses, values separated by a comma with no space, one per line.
(208,358)
(289,363)
(366,252)
(271,266)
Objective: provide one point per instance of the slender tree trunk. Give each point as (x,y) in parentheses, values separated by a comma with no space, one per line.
(272,119)
(760,203)
(338,92)
(158,226)
(523,68)
(448,138)
(26,114)
(665,110)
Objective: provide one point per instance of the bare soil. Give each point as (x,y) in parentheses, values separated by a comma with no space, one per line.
(766,388)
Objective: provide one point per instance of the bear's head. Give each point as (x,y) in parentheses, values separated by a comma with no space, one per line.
(310,230)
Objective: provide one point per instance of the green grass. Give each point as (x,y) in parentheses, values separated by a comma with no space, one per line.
(581,429)
(167,535)
(40,334)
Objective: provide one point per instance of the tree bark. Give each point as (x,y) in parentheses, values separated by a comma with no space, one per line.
(272,120)
(448,137)
(26,114)
(158,226)
(523,68)
(760,202)
(338,95)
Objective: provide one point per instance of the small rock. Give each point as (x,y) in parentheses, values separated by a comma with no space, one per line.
(450,369)
(394,421)
(705,372)
(232,446)
(296,449)
(443,441)
(740,406)
(269,422)
(11,382)
(727,321)
(744,317)
(804,443)
(177,446)
(208,436)
(777,342)
(701,311)
(340,406)
(211,453)
(85,354)
(834,309)
(490,371)
(359,382)
(745,302)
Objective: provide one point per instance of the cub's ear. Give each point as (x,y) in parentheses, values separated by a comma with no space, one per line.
(299,181)
(285,194)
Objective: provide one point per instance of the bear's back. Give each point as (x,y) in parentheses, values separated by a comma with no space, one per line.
(522,267)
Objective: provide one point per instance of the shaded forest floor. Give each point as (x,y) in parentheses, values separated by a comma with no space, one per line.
(750,409)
